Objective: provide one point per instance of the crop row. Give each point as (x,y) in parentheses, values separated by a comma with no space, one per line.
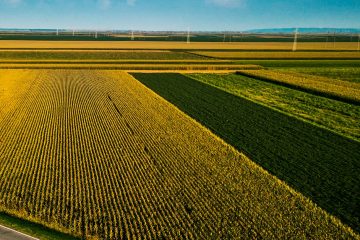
(313,160)
(95,153)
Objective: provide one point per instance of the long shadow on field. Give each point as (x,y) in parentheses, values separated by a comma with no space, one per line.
(320,164)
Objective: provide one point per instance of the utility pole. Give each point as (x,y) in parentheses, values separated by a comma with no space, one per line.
(57,32)
(327,39)
(295,40)
(95,34)
(358,42)
(132,36)
(188,36)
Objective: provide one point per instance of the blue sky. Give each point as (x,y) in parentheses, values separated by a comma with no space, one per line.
(204,15)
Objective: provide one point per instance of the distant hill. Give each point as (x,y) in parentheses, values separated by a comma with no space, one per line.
(264,31)
(305,30)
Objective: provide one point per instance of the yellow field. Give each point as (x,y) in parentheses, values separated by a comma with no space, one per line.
(119,61)
(96,153)
(86,50)
(156,66)
(282,55)
(322,85)
(173,45)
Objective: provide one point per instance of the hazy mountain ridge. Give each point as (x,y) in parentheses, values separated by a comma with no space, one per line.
(256,31)
(305,30)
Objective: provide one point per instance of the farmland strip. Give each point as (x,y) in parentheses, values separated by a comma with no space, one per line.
(90,175)
(279,55)
(320,164)
(334,115)
(338,90)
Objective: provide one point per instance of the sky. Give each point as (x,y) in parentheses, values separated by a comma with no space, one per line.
(177,15)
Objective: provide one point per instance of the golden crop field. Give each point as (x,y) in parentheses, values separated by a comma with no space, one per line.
(8,44)
(281,55)
(338,89)
(156,66)
(97,154)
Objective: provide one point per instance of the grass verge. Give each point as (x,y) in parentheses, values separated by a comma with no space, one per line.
(32,229)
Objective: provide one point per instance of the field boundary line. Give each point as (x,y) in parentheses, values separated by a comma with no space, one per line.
(26,235)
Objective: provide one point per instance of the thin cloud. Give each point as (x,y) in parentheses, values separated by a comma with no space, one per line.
(12,2)
(131,2)
(104,4)
(228,3)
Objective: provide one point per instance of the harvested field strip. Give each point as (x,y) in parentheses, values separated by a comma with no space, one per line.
(95,153)
(87,55)
(350,74)
(335,89)
(129,61)
(334,115)
(320,164)
(280,55)
(85,50)
(14,44)
(302,63)
(154,66)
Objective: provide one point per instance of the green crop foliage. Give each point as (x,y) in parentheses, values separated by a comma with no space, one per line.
(334,115)
(319,163)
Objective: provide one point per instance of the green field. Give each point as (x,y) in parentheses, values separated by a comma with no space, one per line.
(334,115)
(316,162)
